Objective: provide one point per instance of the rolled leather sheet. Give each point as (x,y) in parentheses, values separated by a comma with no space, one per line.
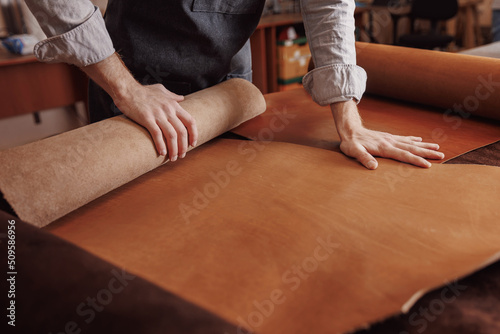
(47,179)
(462,84)
(293,117)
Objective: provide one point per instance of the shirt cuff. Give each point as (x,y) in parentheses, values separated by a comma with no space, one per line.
(335,83)
(87,44)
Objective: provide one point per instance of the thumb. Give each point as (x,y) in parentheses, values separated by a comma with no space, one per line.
(370,163)
(365,158)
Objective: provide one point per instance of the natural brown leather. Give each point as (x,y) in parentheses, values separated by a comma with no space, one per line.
(45,180)
(470,305)
(239,223)
(57,281)
(455,82)
(293,117)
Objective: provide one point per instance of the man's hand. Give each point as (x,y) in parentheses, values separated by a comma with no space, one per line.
(159,111)
(153,107)
(362,144)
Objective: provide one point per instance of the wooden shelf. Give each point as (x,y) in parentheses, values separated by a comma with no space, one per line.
(263,41)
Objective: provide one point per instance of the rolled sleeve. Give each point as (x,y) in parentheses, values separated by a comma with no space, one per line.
(84,45)
(330,32)
(335,83)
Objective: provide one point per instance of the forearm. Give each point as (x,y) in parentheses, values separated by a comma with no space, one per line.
(347,119)
(336,80)
(113,76)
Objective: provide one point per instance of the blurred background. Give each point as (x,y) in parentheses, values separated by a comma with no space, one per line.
(280,53)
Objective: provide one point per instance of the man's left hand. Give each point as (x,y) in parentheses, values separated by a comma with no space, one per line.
(363,144)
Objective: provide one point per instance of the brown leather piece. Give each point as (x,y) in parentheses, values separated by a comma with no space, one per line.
(55,280)
(293,117)
(45,180)
(468,306)
(239,223)
(461,83)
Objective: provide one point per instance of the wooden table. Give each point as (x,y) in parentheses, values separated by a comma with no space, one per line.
(29,86)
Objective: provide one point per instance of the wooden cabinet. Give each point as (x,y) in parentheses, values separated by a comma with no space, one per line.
(29,86)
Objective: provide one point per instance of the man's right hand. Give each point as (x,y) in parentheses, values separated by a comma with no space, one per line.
(159,111)
(154,107)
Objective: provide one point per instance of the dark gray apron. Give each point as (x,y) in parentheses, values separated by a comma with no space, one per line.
(186,45)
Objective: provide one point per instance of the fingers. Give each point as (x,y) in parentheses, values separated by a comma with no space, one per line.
(157,135)
(430,146)
(181,136)
(174,127)
(416,141)
(170,134)
(171,127)
(407,139)
(190,124)
(411,150)
(405,156)
(422,150)
(179,127)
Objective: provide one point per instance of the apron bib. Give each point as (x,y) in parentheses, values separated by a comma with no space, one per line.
(185,45)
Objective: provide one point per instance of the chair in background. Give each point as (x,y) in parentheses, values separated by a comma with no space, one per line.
(395,8)
(434,11)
